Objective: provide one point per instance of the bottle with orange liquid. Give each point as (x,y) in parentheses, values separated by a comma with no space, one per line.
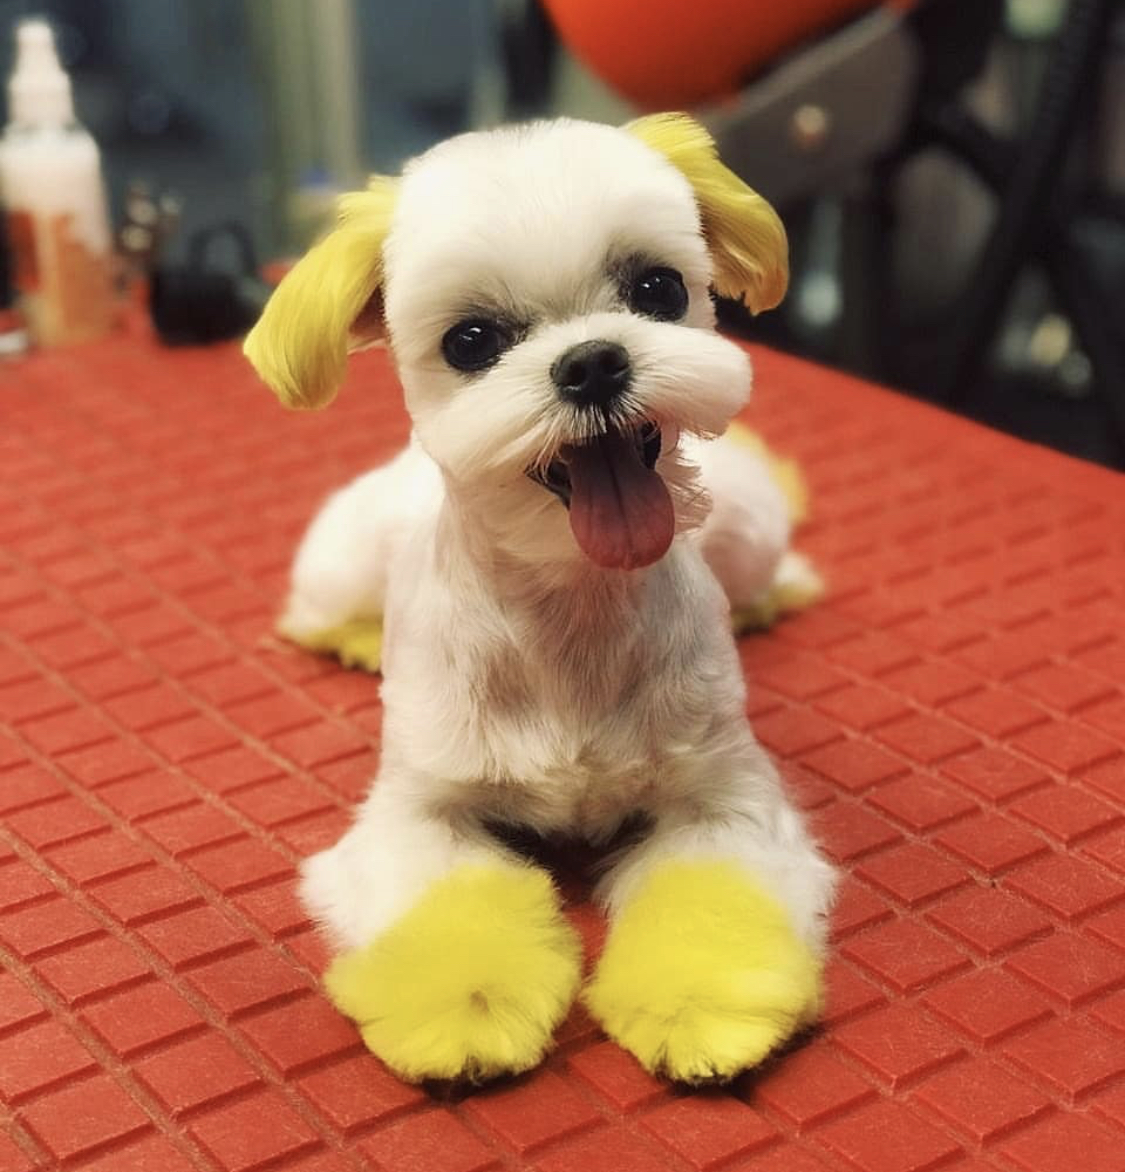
(54,200)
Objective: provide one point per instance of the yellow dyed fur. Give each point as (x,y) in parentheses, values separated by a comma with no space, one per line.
(747,237)
(471,982)
(358,643)
(702,975)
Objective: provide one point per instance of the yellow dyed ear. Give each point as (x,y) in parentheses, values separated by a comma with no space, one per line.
(745,235)
(327,304)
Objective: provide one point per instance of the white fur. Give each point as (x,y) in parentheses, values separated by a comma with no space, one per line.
(523,685)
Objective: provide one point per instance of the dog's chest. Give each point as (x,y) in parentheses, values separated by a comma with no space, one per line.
(579,738)
(562,716)
(559,753)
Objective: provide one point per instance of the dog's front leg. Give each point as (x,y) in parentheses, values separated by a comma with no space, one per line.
(457,962)
(717,932)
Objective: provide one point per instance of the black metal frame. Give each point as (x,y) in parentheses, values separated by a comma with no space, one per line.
(1039,218)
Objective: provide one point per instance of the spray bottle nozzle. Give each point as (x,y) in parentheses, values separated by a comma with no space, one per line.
(39,88)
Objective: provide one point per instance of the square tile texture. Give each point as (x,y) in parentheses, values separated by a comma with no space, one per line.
(951,714)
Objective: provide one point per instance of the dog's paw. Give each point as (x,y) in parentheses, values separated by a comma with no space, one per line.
(702,975)
(470,983)
(356,643)
(795,586)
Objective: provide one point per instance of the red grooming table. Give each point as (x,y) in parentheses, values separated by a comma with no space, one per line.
(953,716)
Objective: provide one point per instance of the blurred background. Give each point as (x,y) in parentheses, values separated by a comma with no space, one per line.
(952,172)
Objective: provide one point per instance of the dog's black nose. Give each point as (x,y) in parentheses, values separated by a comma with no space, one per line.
(592,374)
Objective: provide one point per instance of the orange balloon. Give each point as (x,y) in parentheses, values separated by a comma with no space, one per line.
(665,54)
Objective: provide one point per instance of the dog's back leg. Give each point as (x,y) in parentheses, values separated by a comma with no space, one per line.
(339,576)
(757,500)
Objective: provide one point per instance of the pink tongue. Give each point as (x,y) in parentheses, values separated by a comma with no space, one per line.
(620,512)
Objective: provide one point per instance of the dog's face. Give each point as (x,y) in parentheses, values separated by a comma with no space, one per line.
(545,292)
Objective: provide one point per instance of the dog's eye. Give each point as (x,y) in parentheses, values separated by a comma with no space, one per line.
(659,293)
(475,344)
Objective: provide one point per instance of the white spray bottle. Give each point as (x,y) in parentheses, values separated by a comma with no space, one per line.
(54,198)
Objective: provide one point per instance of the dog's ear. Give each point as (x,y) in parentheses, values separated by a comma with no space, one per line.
(327,305)
(745,235)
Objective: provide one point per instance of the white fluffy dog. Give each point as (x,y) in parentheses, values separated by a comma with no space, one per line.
(553,559)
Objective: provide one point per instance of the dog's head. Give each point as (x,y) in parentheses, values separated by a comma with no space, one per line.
(545,292)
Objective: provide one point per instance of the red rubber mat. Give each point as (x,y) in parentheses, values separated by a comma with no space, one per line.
(954,715)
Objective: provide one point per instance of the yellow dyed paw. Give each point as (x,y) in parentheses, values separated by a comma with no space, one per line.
(702,975)
(358,643)
(755,616)
(795,586)
(470,983)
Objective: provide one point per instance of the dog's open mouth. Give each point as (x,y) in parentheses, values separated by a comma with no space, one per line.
(621,513)
(556,476)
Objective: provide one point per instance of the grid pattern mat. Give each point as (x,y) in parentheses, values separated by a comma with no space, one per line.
(953,716)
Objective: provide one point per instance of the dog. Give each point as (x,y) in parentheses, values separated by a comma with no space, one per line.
(547,572)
